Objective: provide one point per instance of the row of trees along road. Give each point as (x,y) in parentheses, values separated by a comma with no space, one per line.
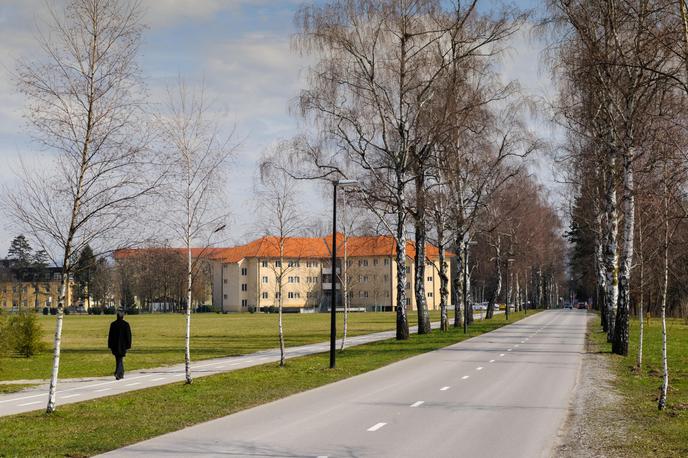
(623,72)
(87,106)
(404,98)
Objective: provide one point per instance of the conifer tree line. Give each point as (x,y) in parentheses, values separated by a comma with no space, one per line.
(622,68)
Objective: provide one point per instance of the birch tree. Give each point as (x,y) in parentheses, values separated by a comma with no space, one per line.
(84,100)
(282,221)
(195,158)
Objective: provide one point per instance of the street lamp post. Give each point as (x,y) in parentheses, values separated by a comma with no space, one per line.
(506,292)
(333,284)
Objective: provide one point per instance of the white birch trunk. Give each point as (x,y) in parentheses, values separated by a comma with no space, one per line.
(621,331)
(641,318)
(665,366)
(611,258)
(279,302)
(187,341)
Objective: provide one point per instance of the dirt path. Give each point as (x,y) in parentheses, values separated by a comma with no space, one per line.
(593,419)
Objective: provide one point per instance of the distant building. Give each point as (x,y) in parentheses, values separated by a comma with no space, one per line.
(246,277)
(30,287)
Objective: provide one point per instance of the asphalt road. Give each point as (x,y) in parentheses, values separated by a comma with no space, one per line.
(77,390)
(502,394)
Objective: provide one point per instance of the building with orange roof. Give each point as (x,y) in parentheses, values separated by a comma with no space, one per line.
(252,276)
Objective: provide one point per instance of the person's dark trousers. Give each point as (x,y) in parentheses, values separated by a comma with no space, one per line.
(119,369)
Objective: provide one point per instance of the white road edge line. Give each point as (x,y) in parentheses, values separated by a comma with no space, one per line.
(376,427)
(417,403)
(445,388)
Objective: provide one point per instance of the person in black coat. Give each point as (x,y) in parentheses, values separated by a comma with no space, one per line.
(119,341)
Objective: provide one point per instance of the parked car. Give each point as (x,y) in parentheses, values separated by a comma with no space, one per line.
(568,305)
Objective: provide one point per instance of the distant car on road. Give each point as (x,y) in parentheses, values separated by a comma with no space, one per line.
(568,305)
(582,305)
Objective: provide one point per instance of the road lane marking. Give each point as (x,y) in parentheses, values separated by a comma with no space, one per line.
(102,389)
(133,384)
(158,379)
(516,346)
(445,388)
(235,364)
(376,427)
(417,403)
(524,341)
(71,396)
(492,360)
(509,349)
(465,377)
(28,403)
(479,368)
(501,354)
(23,397)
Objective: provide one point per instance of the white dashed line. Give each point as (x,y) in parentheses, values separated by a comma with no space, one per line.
(23,397)
(376,427)
(492,360)
(417,403)
(501,354)
(28,403)
(133,384)
(158,379)
(509,349)
(71,396)
(445,388)
(523,341)
(479,368)
(465,377)
(102,389)
(516,346)
(235,364)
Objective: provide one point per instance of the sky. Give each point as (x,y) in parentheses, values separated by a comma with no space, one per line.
(240,50)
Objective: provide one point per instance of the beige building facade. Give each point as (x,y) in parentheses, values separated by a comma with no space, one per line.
(254,276)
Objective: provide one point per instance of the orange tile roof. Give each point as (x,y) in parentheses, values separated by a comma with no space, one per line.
(301,247)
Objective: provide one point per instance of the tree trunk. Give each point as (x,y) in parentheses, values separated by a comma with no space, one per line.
(345,288)
(665,287)
(280,329)
(444,290)
(457,284)
(498,289)
(641,319)
(611,257)
(187,342)
(621,332)
(419,260)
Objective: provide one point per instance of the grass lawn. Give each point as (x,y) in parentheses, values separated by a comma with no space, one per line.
(92,427)
(651,432)
(14,387)
(158,339)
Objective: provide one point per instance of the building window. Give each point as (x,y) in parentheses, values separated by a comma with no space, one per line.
(430,278)
(408,301)
(365,279)
(365,293)
(293,264)
(311,263)
(263,263)
(225,281)
(375,261)
(362,263)
(348,263)
(293,295)
(244,287)
(244,302)
(430,294)
(225,296)
(244,271)
(386,293)
(264,295)
(386,262)
(294,280)
(264,279)
(278,295)
(385,277)
(278,263)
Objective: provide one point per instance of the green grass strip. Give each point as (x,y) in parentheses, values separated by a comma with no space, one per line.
(92,427)
(645,431)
